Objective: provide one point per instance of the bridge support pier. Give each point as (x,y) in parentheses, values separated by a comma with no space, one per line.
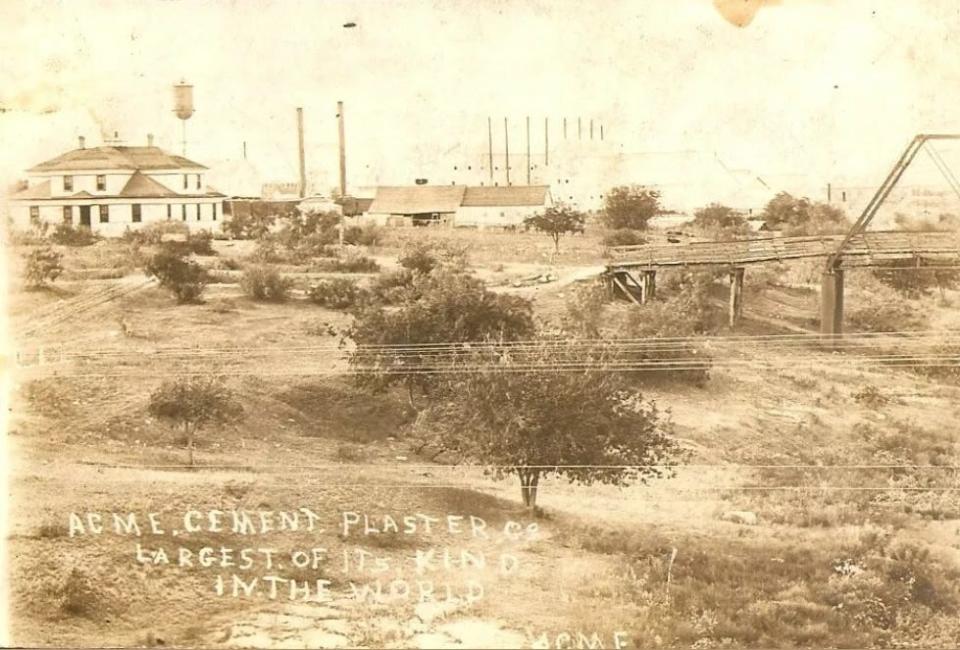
(648,286)
(736,295)
(831,303)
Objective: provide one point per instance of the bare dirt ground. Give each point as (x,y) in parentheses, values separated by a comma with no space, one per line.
(805,447)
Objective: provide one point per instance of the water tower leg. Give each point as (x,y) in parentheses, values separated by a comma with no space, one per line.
(831,304)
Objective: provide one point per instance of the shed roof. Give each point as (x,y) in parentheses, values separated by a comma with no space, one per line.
(116,157)
(505,196)
(417,199)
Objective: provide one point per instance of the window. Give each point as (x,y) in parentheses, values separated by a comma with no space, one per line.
(198,212)
(68,183)
(169,211)
(843,197)
(135,210)
(67,214)
(101,182)
(34,214)
(213,209)
(186,181)
(183,212)
(198,181)
(104,214)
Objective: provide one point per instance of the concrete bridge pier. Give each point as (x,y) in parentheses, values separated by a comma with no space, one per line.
(831,303)
(736,295)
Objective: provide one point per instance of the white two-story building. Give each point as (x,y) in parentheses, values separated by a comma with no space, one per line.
(113,188)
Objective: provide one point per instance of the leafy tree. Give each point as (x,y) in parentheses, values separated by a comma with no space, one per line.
(556,221)
(439,307)
(801,216)
(630,207)
(424,257)
(721,223)
(189,403)
(43,265)
(182,277)
(255,219)
(582,424)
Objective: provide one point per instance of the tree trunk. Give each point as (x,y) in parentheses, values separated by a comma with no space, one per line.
(529,479)
(556,244)
(189,432)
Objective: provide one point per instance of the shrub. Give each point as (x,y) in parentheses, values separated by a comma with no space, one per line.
(153,234)
(338,293)
(721,223)
(201,243)
(584,310)
(265,283)
(66,234)
(189,403)
(184,278)
(362,235)
(389,288)
(353,263)
(419,257)
(623,237)
(875,313)
(43,265)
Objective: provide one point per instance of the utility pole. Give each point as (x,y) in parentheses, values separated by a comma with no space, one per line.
(303,164)
(343,168)
(528,149)
(244,149)
(579,128)
(506,142)
(490,142)
(564,128)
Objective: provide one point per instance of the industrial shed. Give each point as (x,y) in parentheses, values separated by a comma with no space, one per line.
(501,206)
(416,204)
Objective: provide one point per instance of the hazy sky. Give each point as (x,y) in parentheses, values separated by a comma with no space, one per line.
(813,87)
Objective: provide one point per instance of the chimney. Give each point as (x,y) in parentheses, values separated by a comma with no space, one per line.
(149,139)
(83,142)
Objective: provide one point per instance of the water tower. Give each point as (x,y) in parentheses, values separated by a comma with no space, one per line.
(183,106)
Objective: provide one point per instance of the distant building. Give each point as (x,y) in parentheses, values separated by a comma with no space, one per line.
(113,188)
(458,205)
(492,206)
(416,204)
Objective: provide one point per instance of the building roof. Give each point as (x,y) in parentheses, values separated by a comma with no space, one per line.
(38,191)
(505,196)
(115,157)
(141,186)
(417,199)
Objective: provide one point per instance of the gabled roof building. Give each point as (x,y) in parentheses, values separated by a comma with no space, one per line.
(113,188)
(458,205)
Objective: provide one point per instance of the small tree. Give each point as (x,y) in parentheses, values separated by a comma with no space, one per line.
(630,206)
(440,307)
(184,278)
(190,403)
(556,221)
(801,216)
(585,425)
(43,265)
(721,223)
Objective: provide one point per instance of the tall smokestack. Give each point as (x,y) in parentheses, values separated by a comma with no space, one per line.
(303,162)
(149,139)
(564,128)
(601,132)
(490,142)
(506,146)
(83,142)
(591,129)
(528,149)
(579,129)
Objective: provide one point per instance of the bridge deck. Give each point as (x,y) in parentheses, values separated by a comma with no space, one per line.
(867,249)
